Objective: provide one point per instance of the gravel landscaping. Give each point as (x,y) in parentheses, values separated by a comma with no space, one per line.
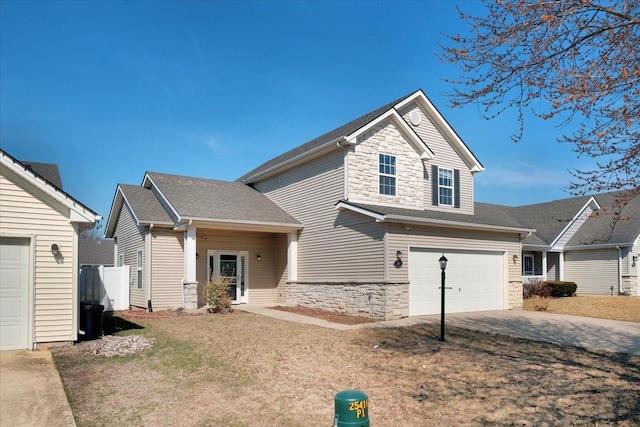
(245,370)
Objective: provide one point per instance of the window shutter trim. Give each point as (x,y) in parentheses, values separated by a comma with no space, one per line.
(435,196)
(456,188)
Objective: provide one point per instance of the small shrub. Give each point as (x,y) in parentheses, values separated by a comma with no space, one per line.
(217,296)
(535,289)
(560,289)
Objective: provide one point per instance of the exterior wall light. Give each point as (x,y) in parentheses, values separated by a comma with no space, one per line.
(258,257)
(398,262)
(634,260)
(55,249)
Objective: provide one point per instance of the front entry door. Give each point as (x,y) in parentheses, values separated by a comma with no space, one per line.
(231,266)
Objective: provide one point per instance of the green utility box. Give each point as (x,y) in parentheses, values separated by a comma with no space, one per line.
(352,409)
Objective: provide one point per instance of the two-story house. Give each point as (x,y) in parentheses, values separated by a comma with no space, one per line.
(353,221)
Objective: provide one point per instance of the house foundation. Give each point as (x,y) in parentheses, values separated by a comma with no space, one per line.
(380,301)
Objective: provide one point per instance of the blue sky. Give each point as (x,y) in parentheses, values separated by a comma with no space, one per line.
(111,89)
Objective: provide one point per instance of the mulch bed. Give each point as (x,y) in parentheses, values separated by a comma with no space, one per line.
(329,316)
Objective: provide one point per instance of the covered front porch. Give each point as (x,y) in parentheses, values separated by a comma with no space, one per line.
(541,265)
(258,260)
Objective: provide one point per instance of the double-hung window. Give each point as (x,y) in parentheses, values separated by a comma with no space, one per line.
(445,187)
(139,269)
(387,174)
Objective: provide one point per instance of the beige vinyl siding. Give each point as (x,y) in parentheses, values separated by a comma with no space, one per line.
(333,246)
(445,156)
(167,270)
(262,276)
(455,239)
(594,271)
(25,211)
(566,236)
(282,269)
(130,239)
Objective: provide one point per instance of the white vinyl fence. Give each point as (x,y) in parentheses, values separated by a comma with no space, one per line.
(108,286)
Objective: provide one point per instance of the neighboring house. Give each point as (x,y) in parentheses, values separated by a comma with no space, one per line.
(591,240)
(39,229)
(94,252)
(353,221)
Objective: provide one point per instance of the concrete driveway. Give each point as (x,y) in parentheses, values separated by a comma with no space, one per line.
(584,332)
(31,392)
(575,331)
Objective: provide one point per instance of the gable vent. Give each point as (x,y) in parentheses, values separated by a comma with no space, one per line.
(414,116)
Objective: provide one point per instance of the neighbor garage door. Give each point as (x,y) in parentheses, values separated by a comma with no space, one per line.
(476,279)
(14,293)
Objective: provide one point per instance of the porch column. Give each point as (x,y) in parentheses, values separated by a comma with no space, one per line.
(292,257)
(544,265)
(561,265)
(190,253)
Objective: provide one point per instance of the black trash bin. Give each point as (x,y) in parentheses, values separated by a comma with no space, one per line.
(90,321)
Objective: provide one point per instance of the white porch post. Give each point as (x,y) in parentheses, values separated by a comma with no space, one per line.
(190,253)
(292,256)
(544,264)
(561,265)
(190,286)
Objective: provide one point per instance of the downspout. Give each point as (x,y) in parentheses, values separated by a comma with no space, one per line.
(620,290)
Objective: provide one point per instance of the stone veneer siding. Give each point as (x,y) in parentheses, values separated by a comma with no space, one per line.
(630,285)
(515,295)
(364,162)
(190,292)
(380,301)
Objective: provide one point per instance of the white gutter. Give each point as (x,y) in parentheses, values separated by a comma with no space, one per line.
(452,224)
(620,290)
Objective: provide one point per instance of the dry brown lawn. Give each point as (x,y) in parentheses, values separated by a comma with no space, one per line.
(245,370)
(604,307)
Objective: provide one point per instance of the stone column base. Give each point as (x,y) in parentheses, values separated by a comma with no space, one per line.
(190,295)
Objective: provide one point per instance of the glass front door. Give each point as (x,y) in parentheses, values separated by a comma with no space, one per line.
(230,266)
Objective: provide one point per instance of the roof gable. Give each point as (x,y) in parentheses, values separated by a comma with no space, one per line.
(346,134)
(77,211)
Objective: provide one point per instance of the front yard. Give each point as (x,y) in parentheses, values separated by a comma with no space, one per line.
(245,370)
(622,308)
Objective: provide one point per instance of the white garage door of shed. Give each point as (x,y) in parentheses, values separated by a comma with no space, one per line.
(14,293)
(476,279)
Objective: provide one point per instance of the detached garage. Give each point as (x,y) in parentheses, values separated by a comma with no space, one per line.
(477,280)
(39,227)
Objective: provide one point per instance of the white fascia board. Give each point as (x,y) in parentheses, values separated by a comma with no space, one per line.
(346,206)
(146,179)
(113,213)
(77,211)
(224,224)
(598,246)
(423,150)
(334,143)
(592,203)
(133,213)
(454,224)
(440,122)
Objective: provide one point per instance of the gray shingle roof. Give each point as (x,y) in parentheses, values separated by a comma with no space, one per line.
(48,171)
(343,130)
(207,199)
(145,205)
(602,228)
(485,214)
(549,219)
(96,251)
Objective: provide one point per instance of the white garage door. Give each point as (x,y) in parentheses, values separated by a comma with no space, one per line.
(14,294)
(476,279)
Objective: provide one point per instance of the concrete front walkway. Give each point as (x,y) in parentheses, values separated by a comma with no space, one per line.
(584,332)
(31,392)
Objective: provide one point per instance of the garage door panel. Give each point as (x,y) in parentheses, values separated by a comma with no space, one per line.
(476,280)
(14,293)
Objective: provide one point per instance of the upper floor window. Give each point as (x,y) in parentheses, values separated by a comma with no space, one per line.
(445,187)
(387,174)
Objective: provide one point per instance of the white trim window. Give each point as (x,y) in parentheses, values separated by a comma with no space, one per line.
(527,265)
(387,174)
(139,267)
(445,187)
